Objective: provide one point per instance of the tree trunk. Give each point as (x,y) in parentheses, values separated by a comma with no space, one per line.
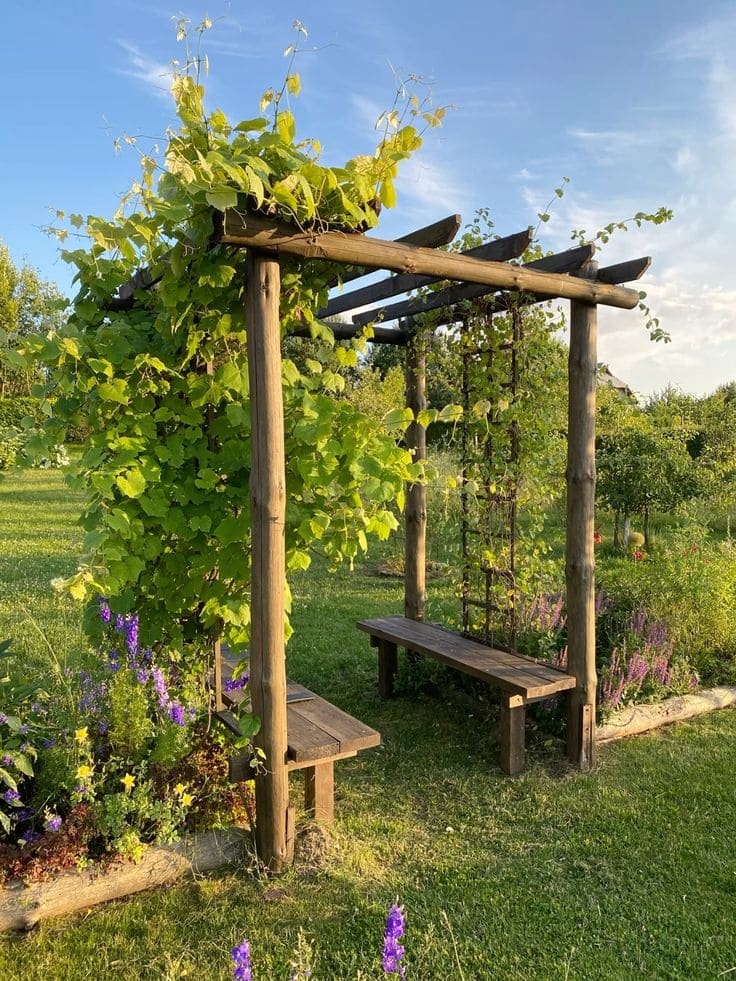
(616,535)
(646,527)
(627,530)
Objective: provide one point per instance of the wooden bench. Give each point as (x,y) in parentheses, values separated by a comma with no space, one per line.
(318,733)
(521,679)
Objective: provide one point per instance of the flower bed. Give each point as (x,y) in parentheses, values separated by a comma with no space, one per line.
(103,760)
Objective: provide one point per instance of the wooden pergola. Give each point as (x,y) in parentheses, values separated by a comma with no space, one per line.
(415,261)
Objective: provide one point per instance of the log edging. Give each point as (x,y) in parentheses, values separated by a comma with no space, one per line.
(23,905)
(642,718)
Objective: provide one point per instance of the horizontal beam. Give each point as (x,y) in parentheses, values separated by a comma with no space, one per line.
(346,332)
(432,236)
(254,231)
(624,272)
(510,247)
(562,262)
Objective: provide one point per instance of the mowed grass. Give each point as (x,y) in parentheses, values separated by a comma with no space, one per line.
(628,872)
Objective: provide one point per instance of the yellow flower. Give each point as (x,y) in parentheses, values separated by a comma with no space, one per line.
(179,789)
(84,771)
(186,799)
(128,781)
(81,735)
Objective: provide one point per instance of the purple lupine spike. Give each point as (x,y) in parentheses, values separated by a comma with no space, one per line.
(131,634)
(105,611)
(393,951)
(120,623)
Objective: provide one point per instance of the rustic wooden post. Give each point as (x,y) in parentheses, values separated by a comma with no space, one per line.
(415,517)
(580,559)
(274,834)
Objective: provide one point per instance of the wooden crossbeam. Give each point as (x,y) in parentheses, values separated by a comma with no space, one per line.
(624,272)
(346,332)
(254,231)
(510,247)
(432,236)
(562,262)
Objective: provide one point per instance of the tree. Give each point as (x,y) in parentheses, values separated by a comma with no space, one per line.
(28,305)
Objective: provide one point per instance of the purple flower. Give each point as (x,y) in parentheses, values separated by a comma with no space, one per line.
(120,622)
(131,634)
(236,684)
(7,760)
(11,796)
(25,747)
(393,951)
(26,813)
(48,743)
(241,962)
(3,718)
(142,676)
(102,726)
(176,713)
(29,837)
(105,611)
(23,730)
(53,823)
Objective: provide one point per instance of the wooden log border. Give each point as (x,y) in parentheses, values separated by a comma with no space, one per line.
(23,906)
(643,718)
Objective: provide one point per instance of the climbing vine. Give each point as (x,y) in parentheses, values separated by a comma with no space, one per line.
(162,387)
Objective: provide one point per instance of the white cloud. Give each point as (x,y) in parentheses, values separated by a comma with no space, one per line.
(156,75)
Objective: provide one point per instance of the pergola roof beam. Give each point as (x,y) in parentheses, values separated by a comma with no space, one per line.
(254,231)
(510,247)
(561,262)
(624,272)
(432,236)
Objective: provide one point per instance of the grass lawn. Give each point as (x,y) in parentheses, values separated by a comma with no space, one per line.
(628,872)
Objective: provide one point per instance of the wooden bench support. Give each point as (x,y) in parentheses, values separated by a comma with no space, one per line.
(318,733)
(319,792)
(513,717)
(522,680)
(388,662)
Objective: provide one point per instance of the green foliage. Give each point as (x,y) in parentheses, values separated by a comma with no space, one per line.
(28,305)
(689,583)
(375,395)
(165,466)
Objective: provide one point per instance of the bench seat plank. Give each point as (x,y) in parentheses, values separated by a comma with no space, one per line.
(513,673)
(316,729)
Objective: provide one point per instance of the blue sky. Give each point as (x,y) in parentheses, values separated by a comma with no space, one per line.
(635,101)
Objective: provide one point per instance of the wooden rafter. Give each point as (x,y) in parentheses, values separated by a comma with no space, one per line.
(510,247)
(562,262)
(253,231)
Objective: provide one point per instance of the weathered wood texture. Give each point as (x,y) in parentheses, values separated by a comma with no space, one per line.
(580,558)
(432,236)
(636,719)
(318,733)
(513,673)
(22,906)
(500,250)
(513,717)
(319,792)
(624,272)
(415,510)
(268,563)
(562,262)
(345,332)
(255,232)
(521,679)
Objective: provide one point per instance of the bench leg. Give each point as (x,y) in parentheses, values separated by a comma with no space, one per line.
(319,791)
(388,662)
(513,714)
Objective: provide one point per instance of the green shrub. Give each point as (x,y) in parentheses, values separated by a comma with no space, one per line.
(14,410)
(688,583)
